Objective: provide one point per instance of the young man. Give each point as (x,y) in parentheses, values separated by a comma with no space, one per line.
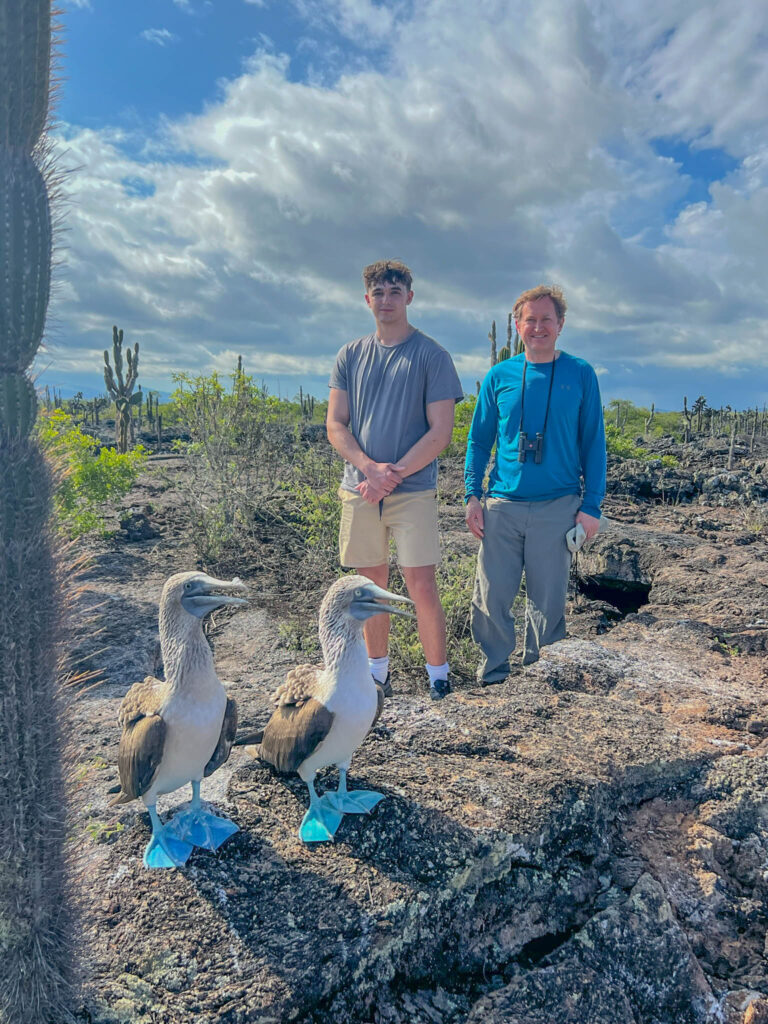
(543,412)
(390,414)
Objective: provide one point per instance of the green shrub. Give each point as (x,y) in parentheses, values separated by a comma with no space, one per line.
(251,471)
(620,446)
(319,515)
(90,483)
(462,422)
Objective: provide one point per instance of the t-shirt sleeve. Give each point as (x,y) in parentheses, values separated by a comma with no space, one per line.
(338,378)
(442,380)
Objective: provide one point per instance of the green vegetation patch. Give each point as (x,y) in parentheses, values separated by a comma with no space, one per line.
(91,480)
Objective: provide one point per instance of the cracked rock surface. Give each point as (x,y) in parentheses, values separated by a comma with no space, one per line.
(585,843)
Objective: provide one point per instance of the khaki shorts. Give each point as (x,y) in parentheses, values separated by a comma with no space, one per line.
(410,518)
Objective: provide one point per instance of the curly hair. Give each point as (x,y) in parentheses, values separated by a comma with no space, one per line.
(542,291)
(393,271)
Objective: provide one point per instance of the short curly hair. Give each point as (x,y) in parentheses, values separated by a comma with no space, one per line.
(394,271)
(542,291)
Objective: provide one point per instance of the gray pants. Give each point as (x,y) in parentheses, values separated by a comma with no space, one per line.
(521,535)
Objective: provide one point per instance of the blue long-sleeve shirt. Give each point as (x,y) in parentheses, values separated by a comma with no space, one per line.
(574,442)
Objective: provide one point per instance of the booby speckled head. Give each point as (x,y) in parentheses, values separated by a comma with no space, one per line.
(197,594)
(356,597)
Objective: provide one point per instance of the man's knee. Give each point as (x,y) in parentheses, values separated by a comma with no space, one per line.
(421,584)
(378,574)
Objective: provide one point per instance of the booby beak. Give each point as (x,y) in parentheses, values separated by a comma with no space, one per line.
(199,598)
(368,600)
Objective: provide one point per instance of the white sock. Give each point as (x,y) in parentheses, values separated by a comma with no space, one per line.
(436,672)
(379,668)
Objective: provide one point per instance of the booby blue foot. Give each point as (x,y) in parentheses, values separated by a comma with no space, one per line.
(319,824)
(203,829)
(164,850)
(359,801)
(200,827)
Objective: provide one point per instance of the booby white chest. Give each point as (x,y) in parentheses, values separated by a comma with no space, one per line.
(193,719)
(349,692)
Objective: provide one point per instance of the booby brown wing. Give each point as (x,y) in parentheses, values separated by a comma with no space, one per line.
(142,740)
(226,739)
(299,724)
(293,732)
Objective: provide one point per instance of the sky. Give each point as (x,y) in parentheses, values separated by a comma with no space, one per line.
(233,164)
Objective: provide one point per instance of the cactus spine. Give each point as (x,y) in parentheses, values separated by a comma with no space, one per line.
(35,922)
(121,388)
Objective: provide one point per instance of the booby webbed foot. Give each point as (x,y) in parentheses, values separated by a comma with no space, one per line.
(319,824)
(358,801)
(165,850)
(203,829)
(200,827)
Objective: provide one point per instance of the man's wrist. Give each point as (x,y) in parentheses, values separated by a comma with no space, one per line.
(363,464)
(469,497)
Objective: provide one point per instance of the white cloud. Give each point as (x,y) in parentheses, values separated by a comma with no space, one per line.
(160,36)
(498,145)
(376,22)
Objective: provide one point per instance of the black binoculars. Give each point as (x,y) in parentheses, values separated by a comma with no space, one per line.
(526,447)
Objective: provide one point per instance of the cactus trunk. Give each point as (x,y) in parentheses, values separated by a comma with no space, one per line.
(35,923)
(120,388)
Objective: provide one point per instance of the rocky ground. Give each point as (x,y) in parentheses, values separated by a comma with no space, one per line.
(586,843)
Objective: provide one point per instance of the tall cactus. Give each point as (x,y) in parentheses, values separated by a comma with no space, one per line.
(492,339)
(518,345)
(36,955)
(121,388)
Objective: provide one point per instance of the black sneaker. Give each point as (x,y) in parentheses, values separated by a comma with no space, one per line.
(386,686)
(439,689)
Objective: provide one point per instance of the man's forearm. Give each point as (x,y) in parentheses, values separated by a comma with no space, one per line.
(426,449)
(381,477)
(346,445)
(475,465)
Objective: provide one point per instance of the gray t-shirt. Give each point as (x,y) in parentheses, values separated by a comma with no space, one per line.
(388,389)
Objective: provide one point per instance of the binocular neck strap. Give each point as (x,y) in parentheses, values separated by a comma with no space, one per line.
(549,395)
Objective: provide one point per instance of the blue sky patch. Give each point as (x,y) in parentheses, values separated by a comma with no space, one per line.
(701,166)
(138,187)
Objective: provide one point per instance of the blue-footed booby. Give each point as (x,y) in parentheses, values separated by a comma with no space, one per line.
(324,712)
(181,729)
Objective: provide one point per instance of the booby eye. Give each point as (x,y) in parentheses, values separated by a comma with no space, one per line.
(188,585)
(359,592)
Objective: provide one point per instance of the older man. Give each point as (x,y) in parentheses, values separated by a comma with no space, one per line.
(543,412)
